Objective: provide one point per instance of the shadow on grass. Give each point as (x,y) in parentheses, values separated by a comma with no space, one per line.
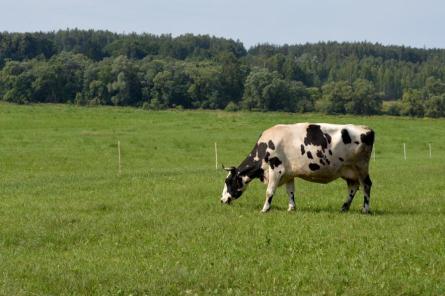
(377,212)
(405,212)
(333,210)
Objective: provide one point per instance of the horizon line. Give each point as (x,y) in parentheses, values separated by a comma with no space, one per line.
(247,47)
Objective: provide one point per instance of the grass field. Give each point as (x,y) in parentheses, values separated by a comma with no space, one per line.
(71,225)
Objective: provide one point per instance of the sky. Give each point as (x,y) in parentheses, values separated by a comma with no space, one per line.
(415,23)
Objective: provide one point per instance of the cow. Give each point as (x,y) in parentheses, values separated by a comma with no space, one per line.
(316,152)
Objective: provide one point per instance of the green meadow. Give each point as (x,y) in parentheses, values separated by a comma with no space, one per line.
(71,224)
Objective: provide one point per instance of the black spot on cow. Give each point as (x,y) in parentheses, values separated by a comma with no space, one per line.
(274,162)
(314,166)
(330,152)
(328,137)
(322,162)
(345,136)
(261,150)
(315,136)
(356,142)
(327,161)
(368,138)
(251,166)
(253,172)
(309,155)
(341,159)
(260,175)
(269,200)
(367,181)
(266,158)
(302,149)
(271,145)
(320,154)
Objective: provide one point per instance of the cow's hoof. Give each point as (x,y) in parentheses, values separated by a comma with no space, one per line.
(366,211)
(345,207)
(291,209)
(263,211)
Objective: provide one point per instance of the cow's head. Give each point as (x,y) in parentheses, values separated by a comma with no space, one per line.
(234,186)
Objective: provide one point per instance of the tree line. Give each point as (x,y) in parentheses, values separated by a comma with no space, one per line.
(200,71)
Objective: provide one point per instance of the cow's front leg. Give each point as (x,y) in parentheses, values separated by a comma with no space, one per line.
(274,179)
(367,184)
(353,186)
(290,188)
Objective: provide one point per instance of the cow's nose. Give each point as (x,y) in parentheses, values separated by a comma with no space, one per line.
(226,201)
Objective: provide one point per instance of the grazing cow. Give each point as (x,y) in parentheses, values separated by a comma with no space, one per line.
(314,152)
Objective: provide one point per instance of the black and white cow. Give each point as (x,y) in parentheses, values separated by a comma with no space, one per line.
(315,152)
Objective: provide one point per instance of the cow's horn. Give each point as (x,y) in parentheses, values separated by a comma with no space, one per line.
(227,169)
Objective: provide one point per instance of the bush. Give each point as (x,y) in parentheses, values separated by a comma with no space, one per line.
(435,106)
(146,106)
(413,103)
(231,107)
(155,104)
(80,100)
(392,108)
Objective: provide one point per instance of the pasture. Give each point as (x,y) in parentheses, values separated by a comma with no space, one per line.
(70,224)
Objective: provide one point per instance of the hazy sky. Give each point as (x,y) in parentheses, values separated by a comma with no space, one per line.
(401,22)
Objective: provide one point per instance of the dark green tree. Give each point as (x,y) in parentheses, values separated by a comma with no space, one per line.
(335,96)
(413,103)
(364,100)
(256,82)
(435,106)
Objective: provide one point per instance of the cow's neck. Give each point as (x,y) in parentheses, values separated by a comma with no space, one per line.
(251,169)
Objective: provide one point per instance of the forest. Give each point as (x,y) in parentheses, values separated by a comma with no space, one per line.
(90,67)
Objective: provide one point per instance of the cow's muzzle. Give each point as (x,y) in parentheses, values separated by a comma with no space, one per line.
(226,200)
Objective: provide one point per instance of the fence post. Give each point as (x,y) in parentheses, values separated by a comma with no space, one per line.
(404,151)
(119,155)
(216,157)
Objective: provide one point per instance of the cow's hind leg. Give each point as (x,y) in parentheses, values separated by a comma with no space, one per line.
(274,179)
(367,184)
(290,188)
(353,186)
